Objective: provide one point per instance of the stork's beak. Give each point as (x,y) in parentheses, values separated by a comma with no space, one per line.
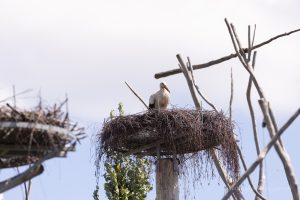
(166,87)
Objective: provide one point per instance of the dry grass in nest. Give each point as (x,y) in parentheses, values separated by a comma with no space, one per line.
(189,134)
(26,136)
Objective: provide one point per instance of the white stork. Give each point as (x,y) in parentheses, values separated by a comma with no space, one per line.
(161,98)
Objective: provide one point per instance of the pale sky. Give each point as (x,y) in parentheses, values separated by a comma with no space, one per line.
(89,48)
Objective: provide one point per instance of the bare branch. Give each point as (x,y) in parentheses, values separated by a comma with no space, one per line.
(261,176)
(189,81)
(231,94)
(283,155)
(67,108)
(17,94)
(249,179)
(14,96)
(249,43)
(236,43)
(275,125)
(253,38)
(223,59)
(262,154)
(242,52)
(244,63)
(258,193)
(197,88)
(136,95)
(238,148)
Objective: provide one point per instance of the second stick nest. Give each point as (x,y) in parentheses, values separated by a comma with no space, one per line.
(28,135)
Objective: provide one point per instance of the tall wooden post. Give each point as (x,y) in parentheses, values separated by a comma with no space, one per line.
(167,180)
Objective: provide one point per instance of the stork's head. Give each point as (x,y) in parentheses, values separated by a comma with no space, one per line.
(163,85)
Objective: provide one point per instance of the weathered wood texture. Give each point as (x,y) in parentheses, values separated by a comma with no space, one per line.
(167,180)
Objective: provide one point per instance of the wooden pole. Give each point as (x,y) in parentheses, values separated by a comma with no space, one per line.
(167,180)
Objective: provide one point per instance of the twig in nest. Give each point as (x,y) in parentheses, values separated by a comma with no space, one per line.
(15,111)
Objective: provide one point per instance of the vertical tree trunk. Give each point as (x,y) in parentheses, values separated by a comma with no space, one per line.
(167,180)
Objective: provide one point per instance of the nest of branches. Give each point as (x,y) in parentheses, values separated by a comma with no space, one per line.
(27,136)
(188,134)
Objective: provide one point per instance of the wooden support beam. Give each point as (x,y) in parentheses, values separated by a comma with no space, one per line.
(21,178)
(167,180)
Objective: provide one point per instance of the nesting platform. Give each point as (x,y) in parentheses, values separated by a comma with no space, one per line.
(176,131)
(185,134)
(27,136)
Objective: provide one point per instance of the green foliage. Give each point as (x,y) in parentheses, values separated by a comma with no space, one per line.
(121,109)
(126,177)
(95,193)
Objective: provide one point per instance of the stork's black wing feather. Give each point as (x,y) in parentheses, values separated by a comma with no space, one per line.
(152,106)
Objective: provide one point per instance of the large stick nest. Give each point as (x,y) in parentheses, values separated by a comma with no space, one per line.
(180,132)
(27,136)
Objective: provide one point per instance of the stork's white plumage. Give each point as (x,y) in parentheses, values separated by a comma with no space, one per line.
(161,99)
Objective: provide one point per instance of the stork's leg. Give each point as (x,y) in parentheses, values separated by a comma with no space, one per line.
(158,105)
